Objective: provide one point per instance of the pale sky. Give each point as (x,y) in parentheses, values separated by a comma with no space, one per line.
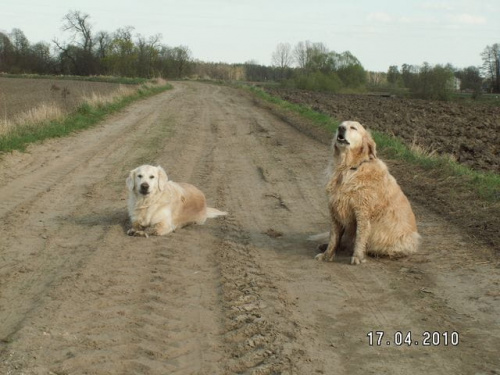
(380,33)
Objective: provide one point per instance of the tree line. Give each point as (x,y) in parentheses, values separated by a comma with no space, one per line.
(119,53)
(440,81)
(312,66)
(307,65)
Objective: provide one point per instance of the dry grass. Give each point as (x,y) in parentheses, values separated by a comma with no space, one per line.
(97,99)
(19,95)
(46,112)
(42,113)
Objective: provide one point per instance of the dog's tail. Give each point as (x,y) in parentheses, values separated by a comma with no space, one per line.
(213,212)
(319,236)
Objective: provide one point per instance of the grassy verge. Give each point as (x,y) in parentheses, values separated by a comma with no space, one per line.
(486,185)
(317,118)
(107,79)
(89,113)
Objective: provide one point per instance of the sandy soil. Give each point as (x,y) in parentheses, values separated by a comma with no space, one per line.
(239,295)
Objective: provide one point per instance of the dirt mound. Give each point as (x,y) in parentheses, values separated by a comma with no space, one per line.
(470,133)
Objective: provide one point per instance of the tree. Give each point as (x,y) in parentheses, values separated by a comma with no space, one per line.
(6,53)
(317,58)
(175,61)
(21,52)
(78,24)
(41,59)
(470,79)
(147,55)
(80,51)
(282,56)
(432,82)
(408,74)
(491,66)
(300,54)
(122,57)
(393,75)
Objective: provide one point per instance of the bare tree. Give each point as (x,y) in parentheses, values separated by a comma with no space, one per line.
(491,65)
(282,57)
(78,24)
(311,56)
(103,42)
(147,55)
(300,53)
(80,51)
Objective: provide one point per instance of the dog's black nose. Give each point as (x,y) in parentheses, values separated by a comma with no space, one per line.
(341,132)
(144,186)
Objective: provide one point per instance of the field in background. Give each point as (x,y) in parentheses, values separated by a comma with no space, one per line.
(467,133)
(36,109)
(20,95)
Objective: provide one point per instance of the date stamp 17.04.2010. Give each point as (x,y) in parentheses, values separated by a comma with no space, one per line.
(426,338)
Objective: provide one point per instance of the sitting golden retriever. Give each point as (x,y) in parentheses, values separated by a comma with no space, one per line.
(158,206)
(368,209)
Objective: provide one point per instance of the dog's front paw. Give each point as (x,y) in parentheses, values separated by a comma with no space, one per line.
(324,257)
(357,260)
(151,231)
(137,233)
(320,257)
(141,233)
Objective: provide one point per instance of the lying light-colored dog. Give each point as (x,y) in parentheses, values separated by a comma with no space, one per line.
(368,209)
(158,206)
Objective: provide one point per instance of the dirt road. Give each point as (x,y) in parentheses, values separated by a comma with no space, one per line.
(239,295)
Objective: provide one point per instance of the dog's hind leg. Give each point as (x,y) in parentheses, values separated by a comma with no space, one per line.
(160,229)
(335,235)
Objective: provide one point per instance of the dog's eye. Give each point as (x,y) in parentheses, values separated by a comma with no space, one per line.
(139,175)
(353,128)
(151,177)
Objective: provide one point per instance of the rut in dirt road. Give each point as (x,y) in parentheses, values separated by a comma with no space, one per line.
(241,294)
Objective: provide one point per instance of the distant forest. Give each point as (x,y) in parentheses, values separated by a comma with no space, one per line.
(311,66)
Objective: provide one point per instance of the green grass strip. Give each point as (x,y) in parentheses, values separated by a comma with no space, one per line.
(485,184)
(317,118)
(84,117)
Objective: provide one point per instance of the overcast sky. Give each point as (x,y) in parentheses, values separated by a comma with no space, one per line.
(379,33)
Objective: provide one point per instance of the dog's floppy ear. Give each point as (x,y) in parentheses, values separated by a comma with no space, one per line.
(372,148)
(131,180)
(369,146)
(162,178)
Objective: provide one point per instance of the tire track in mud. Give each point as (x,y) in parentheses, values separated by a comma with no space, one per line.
(258,329)
(41,195)
(134,322)
(251,339)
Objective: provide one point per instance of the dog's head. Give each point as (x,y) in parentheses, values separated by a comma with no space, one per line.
(147,180)
(352,138)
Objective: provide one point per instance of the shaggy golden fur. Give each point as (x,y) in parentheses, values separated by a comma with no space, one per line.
(368,209)
(158,206)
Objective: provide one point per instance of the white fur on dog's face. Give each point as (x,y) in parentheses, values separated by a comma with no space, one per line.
(350,134)
(147,180)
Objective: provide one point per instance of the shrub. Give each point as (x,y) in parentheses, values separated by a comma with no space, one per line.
(316,81)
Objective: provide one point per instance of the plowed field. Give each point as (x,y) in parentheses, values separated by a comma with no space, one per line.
(469,133)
